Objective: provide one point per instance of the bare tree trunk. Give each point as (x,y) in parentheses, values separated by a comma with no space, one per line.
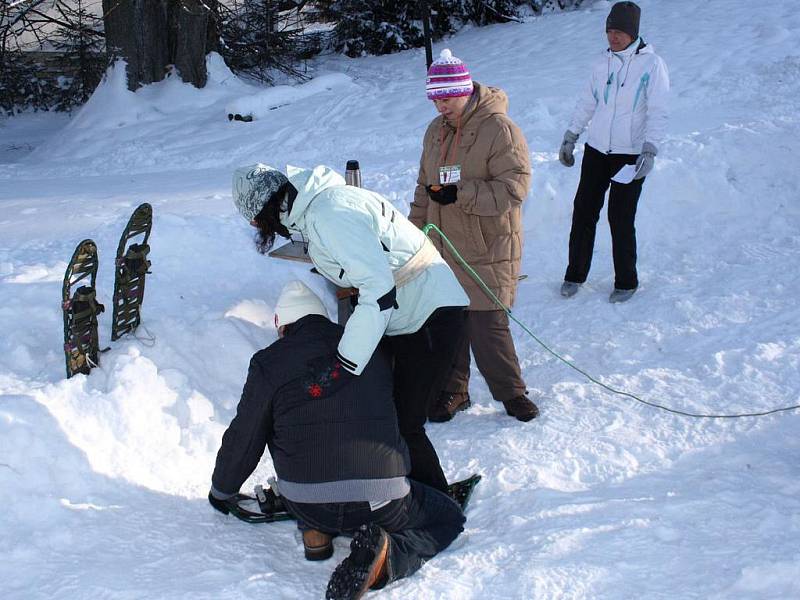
(136,30)
(188,24)
(214,27)
(153,35)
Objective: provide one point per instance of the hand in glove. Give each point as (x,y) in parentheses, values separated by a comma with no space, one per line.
(646,160)
(567,148)
(251,509)
(443,194)
(326,377)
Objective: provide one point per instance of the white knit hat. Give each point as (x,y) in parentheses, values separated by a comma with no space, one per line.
(295,302)
(253,186)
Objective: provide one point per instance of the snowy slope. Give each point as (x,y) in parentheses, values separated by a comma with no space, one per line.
(103,478)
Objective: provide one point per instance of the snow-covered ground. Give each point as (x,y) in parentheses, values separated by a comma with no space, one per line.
(103,478)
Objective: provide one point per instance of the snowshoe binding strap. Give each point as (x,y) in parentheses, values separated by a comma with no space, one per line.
(82,344)
(135,262)
(269,501)
(250,509)
(84,304)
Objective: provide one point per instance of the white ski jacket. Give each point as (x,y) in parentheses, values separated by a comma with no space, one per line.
(625,103)
(356,238)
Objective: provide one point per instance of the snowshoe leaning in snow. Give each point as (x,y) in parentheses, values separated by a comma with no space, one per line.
(131,267)
(80,308)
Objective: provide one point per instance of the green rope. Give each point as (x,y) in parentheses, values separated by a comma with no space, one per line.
(430,226)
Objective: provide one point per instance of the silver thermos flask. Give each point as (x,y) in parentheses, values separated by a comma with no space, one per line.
(352,173)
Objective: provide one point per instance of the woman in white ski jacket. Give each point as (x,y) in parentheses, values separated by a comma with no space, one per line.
(356,238)
(625,106)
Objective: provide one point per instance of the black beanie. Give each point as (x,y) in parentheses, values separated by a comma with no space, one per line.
(624,16)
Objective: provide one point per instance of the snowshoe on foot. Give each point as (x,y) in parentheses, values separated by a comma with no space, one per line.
(80,308)
(364,568)
(461,491)
(131,267)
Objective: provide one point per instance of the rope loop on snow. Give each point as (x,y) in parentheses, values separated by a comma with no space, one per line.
(472,273)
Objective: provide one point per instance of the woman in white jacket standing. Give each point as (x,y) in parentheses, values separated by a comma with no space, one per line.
(625,106)
(406,291)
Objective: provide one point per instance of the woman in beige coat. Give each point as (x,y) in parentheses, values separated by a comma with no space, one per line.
(474,175)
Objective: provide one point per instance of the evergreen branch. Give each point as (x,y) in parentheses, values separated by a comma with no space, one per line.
(22,13)
(501,15)
(45,18)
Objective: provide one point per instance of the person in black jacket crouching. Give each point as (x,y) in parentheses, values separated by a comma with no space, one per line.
(341,463)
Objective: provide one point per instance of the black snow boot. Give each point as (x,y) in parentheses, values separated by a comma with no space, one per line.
(448,404)
(365,568)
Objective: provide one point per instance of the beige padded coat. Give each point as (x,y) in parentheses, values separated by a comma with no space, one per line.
(485,223)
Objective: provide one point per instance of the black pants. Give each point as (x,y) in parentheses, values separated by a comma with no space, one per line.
(423,361)
(420,525)
(597,169)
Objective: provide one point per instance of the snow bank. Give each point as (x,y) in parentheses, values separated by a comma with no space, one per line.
(258,104)
(138,425)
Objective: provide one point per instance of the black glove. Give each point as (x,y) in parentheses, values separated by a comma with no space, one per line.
(222,506)
(326,377)
(443,194)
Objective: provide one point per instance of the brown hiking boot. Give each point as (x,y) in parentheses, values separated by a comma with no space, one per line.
(317,545)
(447,405)
(521,408)
(365,568)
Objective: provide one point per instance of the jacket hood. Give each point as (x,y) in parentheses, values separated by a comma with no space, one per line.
(308,183)
(485,102)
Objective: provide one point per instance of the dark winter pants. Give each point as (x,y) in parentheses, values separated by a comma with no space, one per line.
(420,525)
(597,169)
(422,362)
(490,339)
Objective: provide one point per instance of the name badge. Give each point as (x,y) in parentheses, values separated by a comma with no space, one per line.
(449,174)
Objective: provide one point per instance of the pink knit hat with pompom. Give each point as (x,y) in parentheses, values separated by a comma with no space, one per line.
(448,77)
